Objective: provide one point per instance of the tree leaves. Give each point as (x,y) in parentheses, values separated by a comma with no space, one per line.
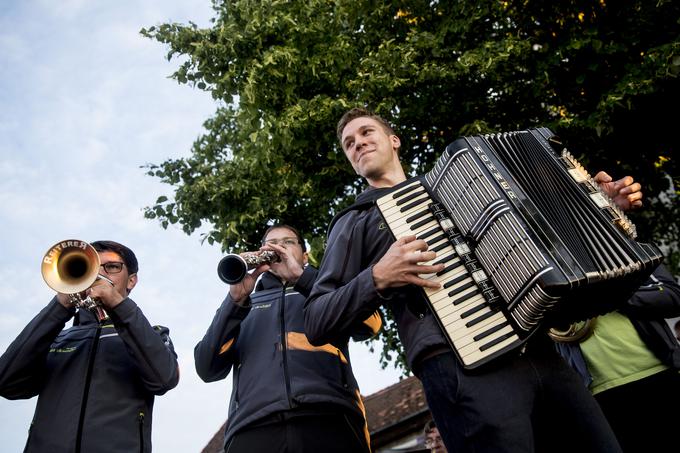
(283,72)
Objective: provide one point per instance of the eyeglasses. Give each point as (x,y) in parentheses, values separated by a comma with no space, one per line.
(284,242)
(431,441)
(113,267)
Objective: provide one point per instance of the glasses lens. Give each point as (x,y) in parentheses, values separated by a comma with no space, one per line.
(113,268)
(285,242)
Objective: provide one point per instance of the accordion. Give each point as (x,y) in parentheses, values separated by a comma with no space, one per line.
(527,238)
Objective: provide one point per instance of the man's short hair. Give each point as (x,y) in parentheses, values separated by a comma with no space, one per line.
(360,112)
(125,253)
(276,226)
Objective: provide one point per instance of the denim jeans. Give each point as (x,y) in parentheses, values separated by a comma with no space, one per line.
(533,402)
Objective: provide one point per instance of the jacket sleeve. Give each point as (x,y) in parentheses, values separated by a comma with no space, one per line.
(149,347)
(306,281)
(344,294)
(214,354)
(22,366)
(368,328)
(658,297)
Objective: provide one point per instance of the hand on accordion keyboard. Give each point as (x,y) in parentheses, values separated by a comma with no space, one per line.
(626,193)
(402,264)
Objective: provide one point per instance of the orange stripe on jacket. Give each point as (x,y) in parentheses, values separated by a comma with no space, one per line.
(225,347)
(298,340)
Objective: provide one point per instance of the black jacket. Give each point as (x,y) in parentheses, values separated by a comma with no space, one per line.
(276,370)
(95,384)
(658,298)
(344,293)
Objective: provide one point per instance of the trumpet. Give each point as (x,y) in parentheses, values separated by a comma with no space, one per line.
(575,332)
(233,268)
(70,267)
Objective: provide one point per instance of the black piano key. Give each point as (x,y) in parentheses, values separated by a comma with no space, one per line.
(403,192)
(410,197)
(461,288)
(466,297)
(425,221)
(417,215)
(429,233)
(436,239)
(479,319)
(449,268)
(441,246)
(446,259)
(471,312)
(488,332)
(456,280)
(411,206)
(494,342)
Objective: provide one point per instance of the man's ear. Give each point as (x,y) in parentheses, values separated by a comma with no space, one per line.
(305,258)
(396,143)
(132,281)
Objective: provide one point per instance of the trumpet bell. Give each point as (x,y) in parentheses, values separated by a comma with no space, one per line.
(233,268)
(70,266)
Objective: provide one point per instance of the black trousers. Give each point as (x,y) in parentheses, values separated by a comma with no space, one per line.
(638,412)
(328,433)
(534,403)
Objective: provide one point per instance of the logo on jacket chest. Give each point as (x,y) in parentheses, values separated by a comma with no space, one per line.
(71,349)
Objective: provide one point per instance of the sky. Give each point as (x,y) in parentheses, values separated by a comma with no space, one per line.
(85,103)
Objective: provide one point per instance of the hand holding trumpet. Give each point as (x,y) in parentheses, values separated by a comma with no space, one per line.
(102,291)
(283,264)
(282,254)
(240,290)
(288,268)
(105,291)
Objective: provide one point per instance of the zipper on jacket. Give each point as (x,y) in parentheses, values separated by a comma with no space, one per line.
(237,373)
(86,390)
(284,345)
(140,419)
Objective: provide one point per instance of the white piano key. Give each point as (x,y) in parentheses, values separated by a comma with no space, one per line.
(463,338)
(477,355)
(445,307)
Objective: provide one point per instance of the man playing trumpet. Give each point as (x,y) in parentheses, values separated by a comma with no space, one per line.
(287,394)
(95,381)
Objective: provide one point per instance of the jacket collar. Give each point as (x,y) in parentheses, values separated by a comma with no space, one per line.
(363,201)
(84,317)
(268,281)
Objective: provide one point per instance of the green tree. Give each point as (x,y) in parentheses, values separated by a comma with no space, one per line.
(603,76)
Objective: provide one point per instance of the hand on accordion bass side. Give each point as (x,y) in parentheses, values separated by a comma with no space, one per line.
(402,265)
(625,192)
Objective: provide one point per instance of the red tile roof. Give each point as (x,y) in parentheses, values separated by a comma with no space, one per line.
(395,404)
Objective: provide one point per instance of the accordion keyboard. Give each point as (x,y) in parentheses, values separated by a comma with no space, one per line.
(476,328)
